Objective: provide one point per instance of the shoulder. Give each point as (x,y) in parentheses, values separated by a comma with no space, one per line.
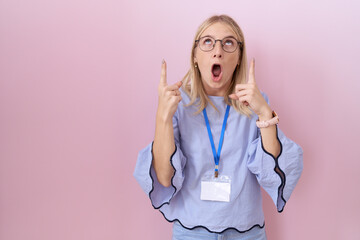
(185,97)
(185,109)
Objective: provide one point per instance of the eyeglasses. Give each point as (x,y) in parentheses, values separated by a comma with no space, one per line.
(228,44)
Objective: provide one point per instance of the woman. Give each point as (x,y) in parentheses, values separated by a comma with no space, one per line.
(216,142)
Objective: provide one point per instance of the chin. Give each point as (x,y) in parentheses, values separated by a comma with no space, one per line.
(218,84)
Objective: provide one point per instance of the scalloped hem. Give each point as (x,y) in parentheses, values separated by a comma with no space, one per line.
(207,229)
(277,167)
(152,180)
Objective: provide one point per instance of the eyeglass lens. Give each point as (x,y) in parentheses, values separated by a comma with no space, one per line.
(228,44)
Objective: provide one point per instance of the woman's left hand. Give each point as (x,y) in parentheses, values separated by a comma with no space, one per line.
(250,95)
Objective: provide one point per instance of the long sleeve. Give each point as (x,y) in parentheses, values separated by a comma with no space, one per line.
(146,176)
(278,176)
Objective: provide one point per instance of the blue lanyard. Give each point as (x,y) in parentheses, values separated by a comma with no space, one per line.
(216,155)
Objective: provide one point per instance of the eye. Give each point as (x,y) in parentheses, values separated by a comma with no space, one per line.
(207,41)
(229,42)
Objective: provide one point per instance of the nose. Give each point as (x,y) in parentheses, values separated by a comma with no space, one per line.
(218,51)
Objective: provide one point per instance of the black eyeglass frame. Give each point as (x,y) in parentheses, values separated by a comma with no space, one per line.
(222,45)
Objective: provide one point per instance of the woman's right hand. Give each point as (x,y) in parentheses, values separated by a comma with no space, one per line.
(169,96)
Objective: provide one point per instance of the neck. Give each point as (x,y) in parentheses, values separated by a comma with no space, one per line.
(215,93)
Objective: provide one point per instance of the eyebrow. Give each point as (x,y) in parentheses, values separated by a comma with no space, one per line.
(223,37)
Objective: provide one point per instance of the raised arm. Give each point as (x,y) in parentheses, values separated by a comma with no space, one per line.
(164,143)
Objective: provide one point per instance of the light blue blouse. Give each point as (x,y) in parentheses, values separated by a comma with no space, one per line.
(243,158)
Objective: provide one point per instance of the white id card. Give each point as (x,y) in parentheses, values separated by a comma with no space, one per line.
(215,189)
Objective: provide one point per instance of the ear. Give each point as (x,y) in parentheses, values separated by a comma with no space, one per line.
(195,60)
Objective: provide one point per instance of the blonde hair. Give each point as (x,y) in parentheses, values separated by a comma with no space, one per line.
(192,83)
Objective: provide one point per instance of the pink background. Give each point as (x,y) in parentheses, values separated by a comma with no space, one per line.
(78,96)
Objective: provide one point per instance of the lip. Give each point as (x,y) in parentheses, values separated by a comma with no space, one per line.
(216,79)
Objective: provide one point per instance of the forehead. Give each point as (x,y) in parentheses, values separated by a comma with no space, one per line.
(218,30)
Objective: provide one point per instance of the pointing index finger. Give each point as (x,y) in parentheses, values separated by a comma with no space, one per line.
(252,71)
(163,73)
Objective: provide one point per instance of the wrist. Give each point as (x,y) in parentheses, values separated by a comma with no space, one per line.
(269,121)
(267,114)
(163,118)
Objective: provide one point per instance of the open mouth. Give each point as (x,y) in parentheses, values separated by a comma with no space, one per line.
(216,72)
